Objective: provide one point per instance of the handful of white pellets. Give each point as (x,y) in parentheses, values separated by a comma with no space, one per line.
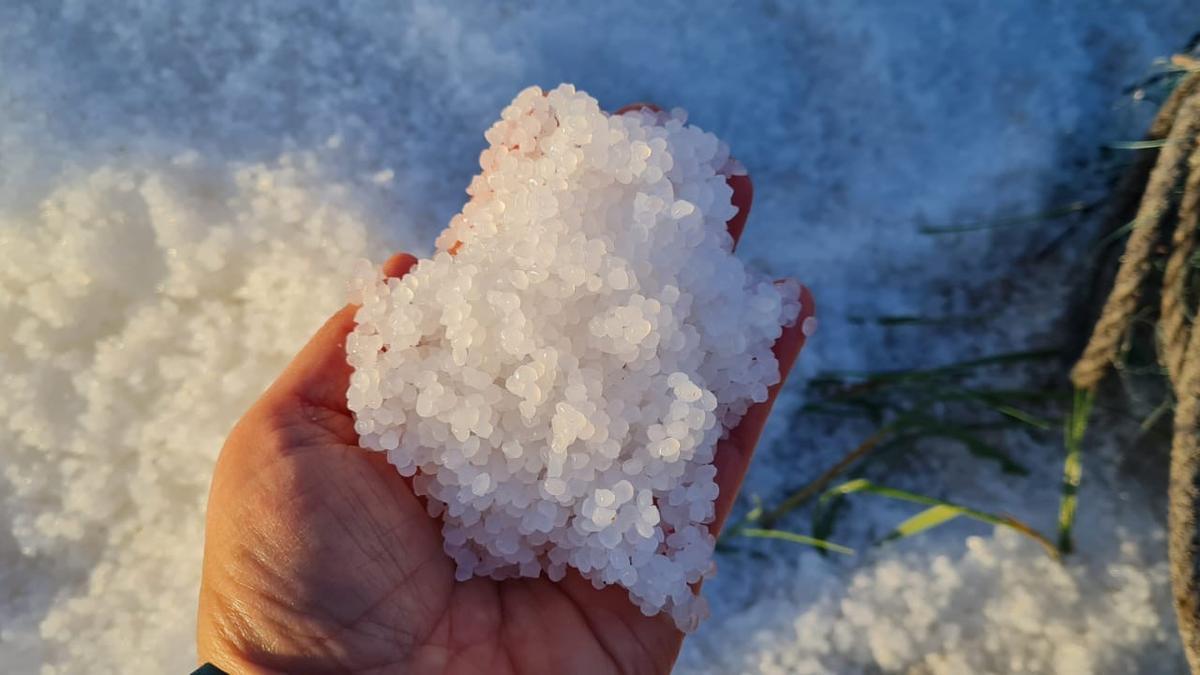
(556,377)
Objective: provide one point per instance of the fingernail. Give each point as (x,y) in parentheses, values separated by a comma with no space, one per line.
(640,105)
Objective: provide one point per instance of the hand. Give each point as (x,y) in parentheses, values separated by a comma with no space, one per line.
(320,559)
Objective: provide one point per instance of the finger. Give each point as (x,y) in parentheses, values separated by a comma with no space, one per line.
(319,374)
(743,195)
(398,265)
(734,453)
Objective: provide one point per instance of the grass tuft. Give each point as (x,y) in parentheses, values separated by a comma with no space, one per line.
(910,407)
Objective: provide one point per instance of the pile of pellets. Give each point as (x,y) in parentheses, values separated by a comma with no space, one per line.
(556,378)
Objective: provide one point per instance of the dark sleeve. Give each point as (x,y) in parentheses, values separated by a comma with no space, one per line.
(208,669)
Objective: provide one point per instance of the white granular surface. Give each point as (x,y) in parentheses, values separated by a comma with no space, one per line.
(861,120)
(143,309)
(557,376)
(1014,610)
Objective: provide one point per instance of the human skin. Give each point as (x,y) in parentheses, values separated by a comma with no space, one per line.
(319,558)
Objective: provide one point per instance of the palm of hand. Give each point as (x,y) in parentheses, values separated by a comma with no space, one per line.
(320,558)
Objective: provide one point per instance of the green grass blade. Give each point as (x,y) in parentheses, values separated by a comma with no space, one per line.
(1021,416)
(1136,145)
(796,539)
(873,442)
(998,359)
(932,428)
(925,520)
(1113,236)
(866,486)
(912,319)
(825,517)
(1075,428)
(863,485)
(984,450)
(1157,414)
(869,378)
(848,407)
(1001,401)
(1013,221)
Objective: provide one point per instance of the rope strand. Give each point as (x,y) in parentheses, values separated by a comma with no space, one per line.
(1174,331)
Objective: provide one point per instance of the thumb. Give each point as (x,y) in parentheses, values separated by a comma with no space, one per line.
(319,375)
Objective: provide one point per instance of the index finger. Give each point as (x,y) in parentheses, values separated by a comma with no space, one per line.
(734,453)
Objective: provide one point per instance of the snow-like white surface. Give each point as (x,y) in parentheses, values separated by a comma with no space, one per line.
(144,301)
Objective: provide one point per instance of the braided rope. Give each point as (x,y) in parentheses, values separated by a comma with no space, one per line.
(1122,302)
(1179,344)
